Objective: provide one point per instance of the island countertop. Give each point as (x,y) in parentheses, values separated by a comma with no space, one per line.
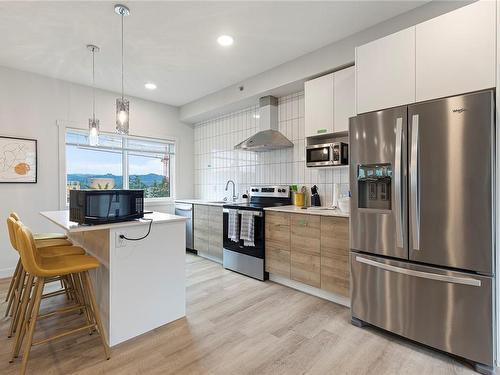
(61,218)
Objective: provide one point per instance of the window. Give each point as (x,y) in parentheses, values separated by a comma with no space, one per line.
(119,162)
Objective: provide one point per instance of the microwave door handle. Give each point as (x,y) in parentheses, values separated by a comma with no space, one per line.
(414,185)
(397,182)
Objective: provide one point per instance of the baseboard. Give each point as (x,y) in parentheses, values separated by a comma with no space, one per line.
(6,272)
(341,300)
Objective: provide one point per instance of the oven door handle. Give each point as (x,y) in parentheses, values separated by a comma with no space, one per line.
(254,213)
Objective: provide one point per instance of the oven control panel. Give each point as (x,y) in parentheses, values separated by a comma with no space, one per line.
(278,191)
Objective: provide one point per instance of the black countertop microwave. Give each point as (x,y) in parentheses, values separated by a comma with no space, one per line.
(105,206)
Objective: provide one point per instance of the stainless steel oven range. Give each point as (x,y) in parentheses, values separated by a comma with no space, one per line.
(248,257)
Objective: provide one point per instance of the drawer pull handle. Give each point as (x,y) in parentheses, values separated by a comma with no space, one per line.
(425,275)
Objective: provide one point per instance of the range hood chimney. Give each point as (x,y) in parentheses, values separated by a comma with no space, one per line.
(268,137)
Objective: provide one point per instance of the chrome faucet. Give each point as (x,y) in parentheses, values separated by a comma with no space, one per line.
(234,193)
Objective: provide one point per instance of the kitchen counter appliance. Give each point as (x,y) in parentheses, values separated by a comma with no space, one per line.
(327,154)
(186,210)
(105,206)
(422,261)
(240,256)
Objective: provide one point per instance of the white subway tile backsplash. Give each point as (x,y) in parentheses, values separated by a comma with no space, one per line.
(216,161)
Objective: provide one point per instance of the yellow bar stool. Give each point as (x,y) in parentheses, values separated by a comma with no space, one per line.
(39,270)
(43,240)
(20,277)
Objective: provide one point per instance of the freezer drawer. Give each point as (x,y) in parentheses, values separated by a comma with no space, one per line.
(447,310)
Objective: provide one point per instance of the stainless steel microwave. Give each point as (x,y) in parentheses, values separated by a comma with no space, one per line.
(328,154)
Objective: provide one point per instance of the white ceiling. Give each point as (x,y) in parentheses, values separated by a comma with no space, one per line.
(174,43)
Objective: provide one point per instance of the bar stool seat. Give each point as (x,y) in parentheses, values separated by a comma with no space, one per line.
(64,265)
(56,251)
(53,242)
(49,236)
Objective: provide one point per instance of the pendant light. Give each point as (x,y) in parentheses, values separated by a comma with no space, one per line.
(93,122)
(122,104)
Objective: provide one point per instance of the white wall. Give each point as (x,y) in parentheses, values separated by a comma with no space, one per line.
(216,161)
(288,77)
(31,104)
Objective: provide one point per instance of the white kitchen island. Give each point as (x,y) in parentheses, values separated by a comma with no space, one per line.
(141,285)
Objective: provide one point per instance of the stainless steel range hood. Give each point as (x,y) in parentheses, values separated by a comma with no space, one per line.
(268,137)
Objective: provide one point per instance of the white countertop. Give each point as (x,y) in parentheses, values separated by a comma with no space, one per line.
(61,218)
(205,202)
(322,211)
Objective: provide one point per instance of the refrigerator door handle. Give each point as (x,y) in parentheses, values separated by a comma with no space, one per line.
(397,182)
(425,275)
(414,185)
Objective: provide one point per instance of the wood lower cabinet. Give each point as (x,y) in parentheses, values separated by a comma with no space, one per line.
(200,228)
(335,255)
(305,237)
(310,249)
(208,232)
(306,268)
(215,232)
(277,233)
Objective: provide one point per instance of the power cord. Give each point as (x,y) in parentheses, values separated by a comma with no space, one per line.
(122,236)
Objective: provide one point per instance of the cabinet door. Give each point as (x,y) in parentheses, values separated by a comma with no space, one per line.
(305,249)
(306,268)
(215,232)
(344,99)
(305,234)
(278,243)
(385,72)
(318,101)
(456,52)
(335,255)
(200,228)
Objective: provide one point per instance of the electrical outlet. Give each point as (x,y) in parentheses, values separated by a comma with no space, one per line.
(120,242)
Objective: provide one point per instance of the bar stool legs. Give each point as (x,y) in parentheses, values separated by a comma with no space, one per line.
(95,311)
(31,323)
(22,314)
(29,309)
(12,282)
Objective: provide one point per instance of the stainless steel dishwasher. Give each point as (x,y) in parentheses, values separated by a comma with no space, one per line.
(186,210)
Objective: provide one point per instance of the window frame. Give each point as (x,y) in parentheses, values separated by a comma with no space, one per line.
(64,127)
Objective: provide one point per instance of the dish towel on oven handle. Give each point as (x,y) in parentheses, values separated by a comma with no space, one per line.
(233,230)
(247,228)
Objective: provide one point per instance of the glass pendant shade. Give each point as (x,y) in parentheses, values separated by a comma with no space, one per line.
(122,115)
(93,132)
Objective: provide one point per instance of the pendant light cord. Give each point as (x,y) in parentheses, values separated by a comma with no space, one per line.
(122,57)
(93,84)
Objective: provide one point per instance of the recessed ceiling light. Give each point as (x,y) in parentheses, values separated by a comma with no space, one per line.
(150,86)
(225,40)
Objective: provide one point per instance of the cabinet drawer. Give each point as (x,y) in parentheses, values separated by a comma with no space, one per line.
(306,268)
(277,261)
(305,234)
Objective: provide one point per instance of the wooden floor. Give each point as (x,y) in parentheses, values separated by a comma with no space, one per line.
(237,325)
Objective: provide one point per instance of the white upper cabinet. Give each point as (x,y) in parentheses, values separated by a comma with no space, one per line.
(455,52)
(344,99)
(329,102)
(318,101)
(385,72)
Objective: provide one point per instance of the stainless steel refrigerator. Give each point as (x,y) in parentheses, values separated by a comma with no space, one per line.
(422,245)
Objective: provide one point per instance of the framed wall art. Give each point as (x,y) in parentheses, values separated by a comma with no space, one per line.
(18,160)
